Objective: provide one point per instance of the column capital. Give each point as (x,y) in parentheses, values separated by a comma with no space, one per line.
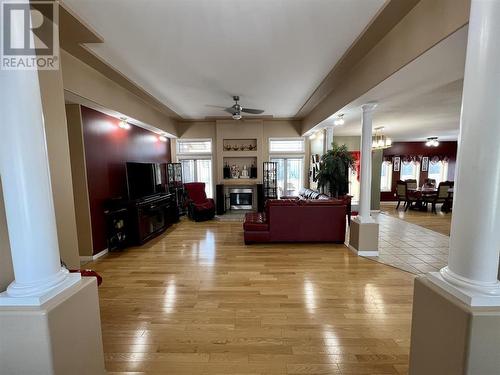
(369,107)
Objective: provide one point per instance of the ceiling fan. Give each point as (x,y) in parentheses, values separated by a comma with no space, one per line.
(237,109)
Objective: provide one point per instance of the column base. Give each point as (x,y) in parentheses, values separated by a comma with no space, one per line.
(63,336)
(450,337)
(363,237)
(470,293)
(40,296)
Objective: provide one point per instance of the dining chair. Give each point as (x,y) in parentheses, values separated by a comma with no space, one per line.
(430,182)
(401,192)
(441,195)
(412,184)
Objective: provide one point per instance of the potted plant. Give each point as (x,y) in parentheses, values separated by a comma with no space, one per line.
(333,172)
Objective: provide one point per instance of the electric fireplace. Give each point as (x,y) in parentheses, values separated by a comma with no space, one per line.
(240,199)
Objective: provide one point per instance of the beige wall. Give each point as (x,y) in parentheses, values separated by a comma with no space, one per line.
(353,143)
(428,23)
(6,272)
(262,130)
(56,131)
(87,83)
(79,174)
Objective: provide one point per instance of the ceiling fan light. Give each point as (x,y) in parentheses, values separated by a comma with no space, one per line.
(236,116)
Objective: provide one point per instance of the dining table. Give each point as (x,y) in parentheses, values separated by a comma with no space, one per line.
(419,193)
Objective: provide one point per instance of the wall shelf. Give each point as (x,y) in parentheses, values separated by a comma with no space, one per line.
(239,154)
(241,181)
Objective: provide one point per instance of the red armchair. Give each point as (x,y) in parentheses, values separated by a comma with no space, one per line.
(200,207)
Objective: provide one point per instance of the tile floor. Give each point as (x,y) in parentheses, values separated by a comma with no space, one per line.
(410,247)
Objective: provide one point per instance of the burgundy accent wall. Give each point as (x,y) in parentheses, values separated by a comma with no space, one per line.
(448,149)
(107,149)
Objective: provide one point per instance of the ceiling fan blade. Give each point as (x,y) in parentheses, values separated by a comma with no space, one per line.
(215,106)
(230,110)
(252,111)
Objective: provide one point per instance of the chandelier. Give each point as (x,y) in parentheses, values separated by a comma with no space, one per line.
(379,140)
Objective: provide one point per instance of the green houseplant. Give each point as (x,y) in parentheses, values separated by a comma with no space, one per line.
(333,172)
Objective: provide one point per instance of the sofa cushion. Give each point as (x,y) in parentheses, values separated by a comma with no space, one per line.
(255,221)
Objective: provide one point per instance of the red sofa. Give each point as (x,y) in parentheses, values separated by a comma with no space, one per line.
(294,220)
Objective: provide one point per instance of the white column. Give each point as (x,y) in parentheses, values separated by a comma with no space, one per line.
(471,274)
(27,192)
(328,138)
(366,164)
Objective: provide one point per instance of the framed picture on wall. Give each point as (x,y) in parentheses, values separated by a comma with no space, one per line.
(425,164)
(397,163)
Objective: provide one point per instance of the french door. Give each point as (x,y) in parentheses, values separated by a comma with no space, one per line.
(198,170)
(290,175)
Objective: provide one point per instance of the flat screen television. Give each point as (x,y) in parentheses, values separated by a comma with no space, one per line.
(145,179)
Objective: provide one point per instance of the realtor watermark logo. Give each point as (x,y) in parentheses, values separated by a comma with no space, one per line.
(30,35)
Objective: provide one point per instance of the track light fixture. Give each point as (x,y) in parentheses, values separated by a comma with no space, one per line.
(124,124)
(339,120)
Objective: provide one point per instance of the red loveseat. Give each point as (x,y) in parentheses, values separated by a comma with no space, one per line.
(200,207)
(289,220)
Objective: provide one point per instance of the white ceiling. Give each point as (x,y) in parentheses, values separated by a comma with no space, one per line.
(191,54)
(421,100)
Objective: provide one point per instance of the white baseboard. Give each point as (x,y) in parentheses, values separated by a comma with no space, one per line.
(90,258)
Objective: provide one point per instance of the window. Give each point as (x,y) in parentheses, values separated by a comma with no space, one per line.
(288,145)
(195,157)
(438,171)
(192,146)
(198,170)
(290,175)
(410,171)
(284,151)
(386,176)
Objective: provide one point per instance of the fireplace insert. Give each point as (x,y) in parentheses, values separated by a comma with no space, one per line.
(240,199)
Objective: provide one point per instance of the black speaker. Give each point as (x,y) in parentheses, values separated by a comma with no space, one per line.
(219,199)
(260,197)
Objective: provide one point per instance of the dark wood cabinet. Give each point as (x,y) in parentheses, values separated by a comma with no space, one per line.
(152,216)
(136,222)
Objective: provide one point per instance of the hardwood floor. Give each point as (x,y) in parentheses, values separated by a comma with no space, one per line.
(439,222)
(198,301)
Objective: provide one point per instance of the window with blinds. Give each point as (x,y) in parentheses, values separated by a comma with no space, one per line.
(284,145)
(194,146)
